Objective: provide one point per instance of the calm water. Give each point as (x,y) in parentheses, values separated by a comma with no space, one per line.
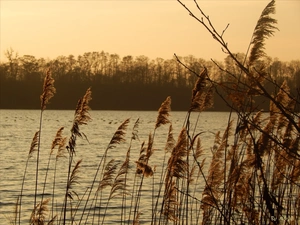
(17,128)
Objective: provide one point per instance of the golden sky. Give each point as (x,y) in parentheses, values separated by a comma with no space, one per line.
(154,28)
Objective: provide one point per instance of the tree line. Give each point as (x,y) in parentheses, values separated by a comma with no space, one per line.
(124,83)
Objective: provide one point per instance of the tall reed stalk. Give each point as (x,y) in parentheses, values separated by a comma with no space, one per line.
(48,92)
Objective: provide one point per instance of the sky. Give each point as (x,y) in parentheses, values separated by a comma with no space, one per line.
(153,28)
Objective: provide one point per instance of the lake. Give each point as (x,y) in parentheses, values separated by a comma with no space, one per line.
(17,128)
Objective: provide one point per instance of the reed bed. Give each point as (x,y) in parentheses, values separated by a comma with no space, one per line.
(252,177)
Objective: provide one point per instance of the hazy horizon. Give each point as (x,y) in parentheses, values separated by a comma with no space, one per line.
(153,28)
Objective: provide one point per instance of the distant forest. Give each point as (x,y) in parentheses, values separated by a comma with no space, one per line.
(123,83)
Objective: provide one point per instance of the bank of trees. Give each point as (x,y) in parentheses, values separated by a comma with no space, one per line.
(128,83)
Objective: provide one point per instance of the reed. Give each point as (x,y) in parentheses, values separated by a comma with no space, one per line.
(252,177)
(48,92)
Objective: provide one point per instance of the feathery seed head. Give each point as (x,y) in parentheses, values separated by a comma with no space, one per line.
(163,113)
(48,90)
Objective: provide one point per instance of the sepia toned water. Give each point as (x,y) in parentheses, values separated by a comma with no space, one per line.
(17,128)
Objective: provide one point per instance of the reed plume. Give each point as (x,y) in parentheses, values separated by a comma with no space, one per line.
(170,140)
(58,140)
(149,149)
(177,165)
(82,116)
(135,130)
(198,149)
(264,29)
(200,83)
(202,94)
(34,144)
(61,151)
(38,215)
(145,153)
(108,175)
(48,90)
(163,113)
(177,168)
(118,136)
(145,169)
